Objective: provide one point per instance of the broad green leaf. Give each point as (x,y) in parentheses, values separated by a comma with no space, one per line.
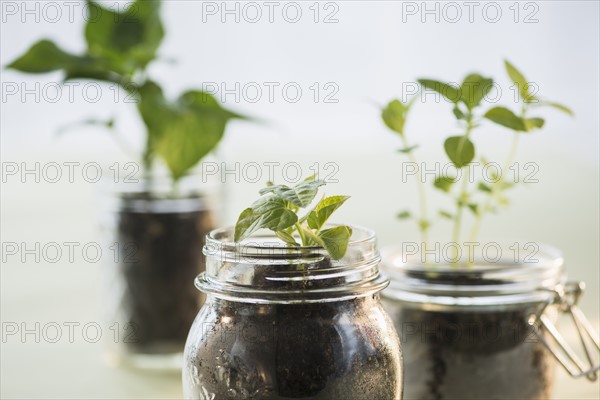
(324,209)
(300,195)
(270,188)
(534,123)
(451,93)
(183,132)
(335,240)
(403,215)
(313,220)
(473,89)
(268,213)
(128,40)
(446,214)
(460,150)
(517,77)
(187,138)
(443,183)
(394,116)
(156,113)
(246,224)
(503,116)
(44,56)
(408,149)
(560,107)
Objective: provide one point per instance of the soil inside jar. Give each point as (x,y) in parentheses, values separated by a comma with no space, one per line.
(161,255)
(329,350)
(473,355)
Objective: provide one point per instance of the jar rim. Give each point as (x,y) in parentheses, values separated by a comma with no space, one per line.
(368,233)
(264,269)
(484,284)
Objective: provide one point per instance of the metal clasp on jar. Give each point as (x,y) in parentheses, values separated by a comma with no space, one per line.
(566,297)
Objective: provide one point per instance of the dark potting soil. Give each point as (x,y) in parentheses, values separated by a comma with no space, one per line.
(327,350)
(163,257)
(473,355)
(334,350)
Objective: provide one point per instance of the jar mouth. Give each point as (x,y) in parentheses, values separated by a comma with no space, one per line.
(264,269)
(506,279)
(123,191)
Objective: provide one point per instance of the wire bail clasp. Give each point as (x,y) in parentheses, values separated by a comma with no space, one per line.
(566,297)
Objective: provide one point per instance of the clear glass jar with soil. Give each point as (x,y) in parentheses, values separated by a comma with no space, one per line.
(291,323)
(473,331)
(155,233)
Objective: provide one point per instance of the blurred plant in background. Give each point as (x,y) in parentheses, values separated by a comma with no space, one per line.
(120,48)
(467,100)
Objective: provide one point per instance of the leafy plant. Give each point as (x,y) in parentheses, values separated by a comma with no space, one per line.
(467,108)
(120,48)
(278,208)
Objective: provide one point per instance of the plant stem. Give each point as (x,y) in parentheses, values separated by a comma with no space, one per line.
(301,234)
(422,197)
(495,188)
(458,217)
(461,196)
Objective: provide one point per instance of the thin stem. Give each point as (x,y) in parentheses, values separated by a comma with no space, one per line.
(459,211)
(301,233)
(495,188)
(423,220)
(461,196)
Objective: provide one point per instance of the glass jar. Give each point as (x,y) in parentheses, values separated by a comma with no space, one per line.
(474,331)
(284,323)
(156,237)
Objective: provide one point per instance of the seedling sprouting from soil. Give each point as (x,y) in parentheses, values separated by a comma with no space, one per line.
(278,210)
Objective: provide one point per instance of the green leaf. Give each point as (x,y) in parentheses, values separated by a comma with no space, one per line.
(451,93)
(311,238)
(300,195)
(474,88)
(319,216)
(287,238)
(484,188)
(446,214)
(457,112)
(474,208)
(403,215)
(128,40)
(246,224)
(394,115)
(182,132)
(268,213)
(517,77)
(444,183)
(534,123)
(43,56)
(423,225)
(335,240)
(560,107)
(408,149)
(503,116)
(460,150)
(156,113)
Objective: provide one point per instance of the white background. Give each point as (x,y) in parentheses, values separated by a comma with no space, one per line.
(369,54)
